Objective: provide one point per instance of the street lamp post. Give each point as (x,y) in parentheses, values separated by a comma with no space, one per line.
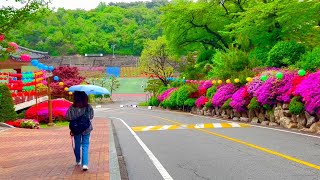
(113,46)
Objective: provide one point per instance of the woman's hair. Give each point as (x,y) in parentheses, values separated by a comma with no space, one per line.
(80,99)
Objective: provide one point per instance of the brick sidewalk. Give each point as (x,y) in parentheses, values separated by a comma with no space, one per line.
(48,154)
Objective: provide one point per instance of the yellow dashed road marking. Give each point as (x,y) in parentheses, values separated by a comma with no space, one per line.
(188,126)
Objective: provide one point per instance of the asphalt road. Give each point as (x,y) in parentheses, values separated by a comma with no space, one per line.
(199,153)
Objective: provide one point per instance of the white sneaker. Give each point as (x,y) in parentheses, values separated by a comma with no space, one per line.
(84,167)
(78,163)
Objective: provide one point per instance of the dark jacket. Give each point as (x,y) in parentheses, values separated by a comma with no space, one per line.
(74,113)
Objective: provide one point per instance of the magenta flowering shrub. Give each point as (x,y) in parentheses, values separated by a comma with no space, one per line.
(240,99)
(166,94)
(201,101)
(266,93)
(204,86)
(223,93)
(254,85)
(284,86)
(309,90)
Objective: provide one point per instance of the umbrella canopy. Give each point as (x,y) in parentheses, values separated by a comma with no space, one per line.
(89,89)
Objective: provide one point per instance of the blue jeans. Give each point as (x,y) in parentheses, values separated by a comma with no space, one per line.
(84,141)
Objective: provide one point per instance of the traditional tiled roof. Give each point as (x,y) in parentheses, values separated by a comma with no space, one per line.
(33,54)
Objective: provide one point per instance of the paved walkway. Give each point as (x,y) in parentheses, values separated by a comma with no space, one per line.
(48,154)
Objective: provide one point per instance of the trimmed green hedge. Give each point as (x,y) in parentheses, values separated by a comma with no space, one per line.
(7,111)
(296,106)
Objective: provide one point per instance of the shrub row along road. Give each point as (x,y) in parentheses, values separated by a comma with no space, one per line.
(160,144)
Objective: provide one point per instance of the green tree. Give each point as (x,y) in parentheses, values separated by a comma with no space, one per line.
(7,111)
(157,58)
(70,32)
(285,54)
(278,20)
(11,16)
(153,86)
(113,84)
(194,25)
(311,60)
(234,63)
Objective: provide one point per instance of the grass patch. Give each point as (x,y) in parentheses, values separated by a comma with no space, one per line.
(57,124)
(131,86)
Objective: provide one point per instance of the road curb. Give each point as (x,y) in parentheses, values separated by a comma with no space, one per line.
(113,157)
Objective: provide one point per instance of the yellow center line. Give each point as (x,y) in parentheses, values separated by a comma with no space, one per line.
(246,144)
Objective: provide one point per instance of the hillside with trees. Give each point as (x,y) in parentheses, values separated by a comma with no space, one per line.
(70,32)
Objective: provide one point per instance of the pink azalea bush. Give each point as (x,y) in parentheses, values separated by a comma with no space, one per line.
(240,99)
(284,86)
(223,93)
(266,93)
(309,90)
(204,86)
(201,101)
(254,85)
(166,94)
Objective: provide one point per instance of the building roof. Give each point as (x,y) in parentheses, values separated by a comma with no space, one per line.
(14,62)
(33,54)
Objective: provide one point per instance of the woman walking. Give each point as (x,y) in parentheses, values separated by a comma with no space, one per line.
(76,114)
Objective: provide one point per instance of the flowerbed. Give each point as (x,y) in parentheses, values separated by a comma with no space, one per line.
(25,123)
(41,111)
(265,98)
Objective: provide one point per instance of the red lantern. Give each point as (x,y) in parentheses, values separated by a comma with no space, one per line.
(13,95)
(26,93)
(25,57)
(20,94)
(12,46)
(33,93)
(1,37)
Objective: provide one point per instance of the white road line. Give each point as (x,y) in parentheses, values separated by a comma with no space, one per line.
(199,126)
(217,125)
(154,160)
(147,128)
(234,124)
(165,127)
(281,130)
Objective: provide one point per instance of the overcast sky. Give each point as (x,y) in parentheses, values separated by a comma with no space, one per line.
(71,4)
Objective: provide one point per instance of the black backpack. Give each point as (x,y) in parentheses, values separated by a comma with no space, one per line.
(80,124)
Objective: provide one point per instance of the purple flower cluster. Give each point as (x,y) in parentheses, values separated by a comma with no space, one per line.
(309,90)
(254,85)
(223,93)
(166,94)
(201,101)
(240,99)
(266,92)
(283,87)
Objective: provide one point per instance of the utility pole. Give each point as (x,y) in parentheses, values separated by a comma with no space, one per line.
(113,46)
